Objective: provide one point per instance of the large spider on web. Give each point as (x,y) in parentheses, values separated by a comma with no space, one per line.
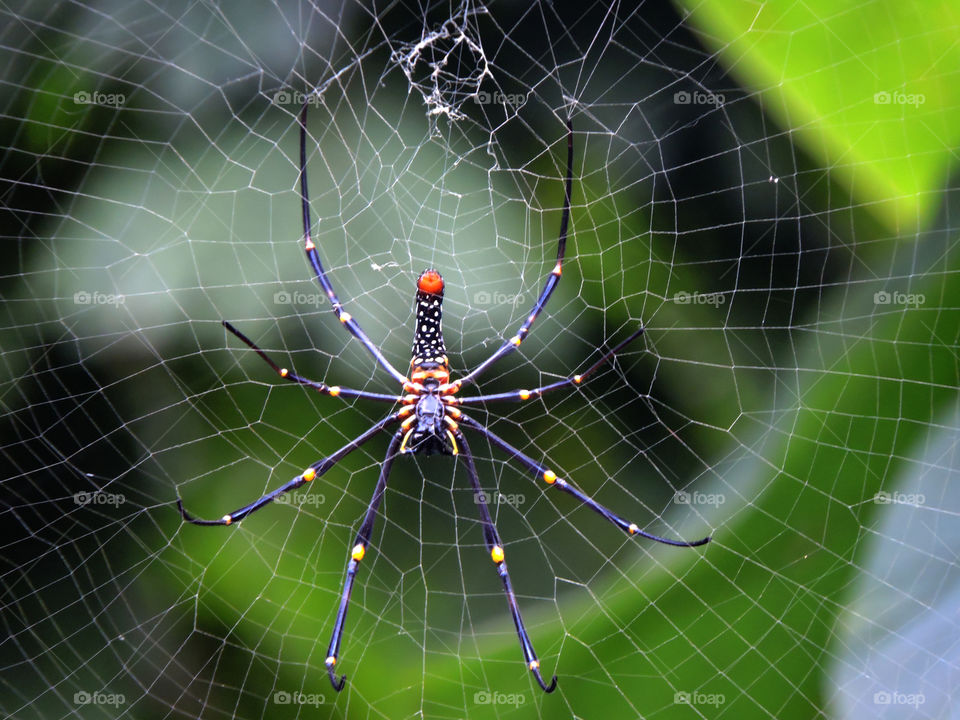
(430,418)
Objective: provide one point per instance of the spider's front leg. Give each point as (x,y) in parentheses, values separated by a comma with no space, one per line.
(551,282)
(572,381)
(321,387)
(345,318)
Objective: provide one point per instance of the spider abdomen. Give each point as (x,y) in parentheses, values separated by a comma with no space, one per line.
(428,336)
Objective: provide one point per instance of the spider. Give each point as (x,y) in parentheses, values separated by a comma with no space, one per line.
(430,418)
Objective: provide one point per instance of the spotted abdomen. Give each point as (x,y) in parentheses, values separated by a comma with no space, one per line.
(428,344)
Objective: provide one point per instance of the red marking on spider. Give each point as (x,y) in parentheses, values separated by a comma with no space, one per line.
(430,282)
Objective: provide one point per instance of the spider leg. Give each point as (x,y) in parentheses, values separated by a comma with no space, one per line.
(571,381)
(311,473)
(331,390)
(344,317)
(551,478)
(514,342)
(356,555)
(495,547)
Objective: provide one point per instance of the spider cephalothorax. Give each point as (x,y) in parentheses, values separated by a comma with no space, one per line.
(430,419)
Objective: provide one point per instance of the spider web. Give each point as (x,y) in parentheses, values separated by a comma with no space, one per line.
(763,190)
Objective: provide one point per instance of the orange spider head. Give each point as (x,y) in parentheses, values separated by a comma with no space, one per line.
(430,283)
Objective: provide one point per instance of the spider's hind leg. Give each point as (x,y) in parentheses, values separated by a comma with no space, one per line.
(495,547)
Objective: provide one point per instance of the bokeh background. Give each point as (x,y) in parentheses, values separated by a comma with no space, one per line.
(767,188)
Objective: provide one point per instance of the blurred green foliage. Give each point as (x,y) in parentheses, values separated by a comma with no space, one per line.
(797,397)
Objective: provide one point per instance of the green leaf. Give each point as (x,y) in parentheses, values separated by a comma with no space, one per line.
(870,89)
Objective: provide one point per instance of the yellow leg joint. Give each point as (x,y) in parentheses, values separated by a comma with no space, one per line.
(453,441)
(550,477)
(358,552)
(534,664)
(334,390)
(284,372)
(578,379)
(345,317)
(331,661)
(632,529)
(309,474)
(227,519)
(515,339)
(496,554)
